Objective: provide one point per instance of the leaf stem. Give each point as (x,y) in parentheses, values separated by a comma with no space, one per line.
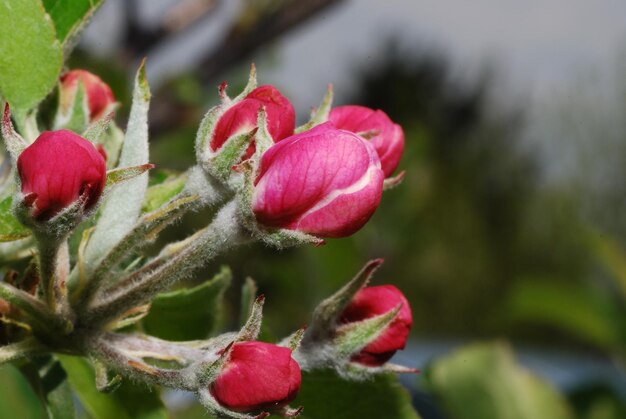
(176,261)
(20,349)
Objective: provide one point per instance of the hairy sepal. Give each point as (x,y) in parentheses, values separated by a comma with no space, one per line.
(326,314)
(393,182)
(73,114)
(278,238)
(117,176)
(14,142)
(219,163)
(320,114)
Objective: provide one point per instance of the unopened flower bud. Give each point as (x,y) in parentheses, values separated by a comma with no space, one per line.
(326,182)
(99,94)
(387,137)
(58,169)
(374,301)
(257,376)
(242,117)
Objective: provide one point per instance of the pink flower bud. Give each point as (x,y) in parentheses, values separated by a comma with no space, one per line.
(257,376)
(57,169)
(388,139)
(374,301)
(99,94)
(325,181)
(242,117)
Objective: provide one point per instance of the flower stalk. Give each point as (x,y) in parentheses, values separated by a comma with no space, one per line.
(54,265)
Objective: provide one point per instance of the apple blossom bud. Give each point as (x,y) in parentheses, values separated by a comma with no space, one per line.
(99,94)
(59,168)
(388,138)
(326,182)
(374,301)
(242,117)
(257,376)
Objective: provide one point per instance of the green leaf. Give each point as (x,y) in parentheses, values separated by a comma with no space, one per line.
(122,206)
(56,392)
(198,309)
(161,193)
(70,16)
(484,381)
(30,55)
(325,395)
(17,397)
(128,402)
(60,402)
(10,228)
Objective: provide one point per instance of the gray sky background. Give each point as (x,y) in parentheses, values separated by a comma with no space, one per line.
(537,44)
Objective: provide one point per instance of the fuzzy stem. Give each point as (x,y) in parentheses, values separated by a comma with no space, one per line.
(175,262)
(20,349)
(85,285)
(143,346)
(54,269)
(44,318)
(149,225)
(210,191)
(134,367)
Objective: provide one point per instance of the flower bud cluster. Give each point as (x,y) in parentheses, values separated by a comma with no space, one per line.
(358,329)
(291,185)
(324,179)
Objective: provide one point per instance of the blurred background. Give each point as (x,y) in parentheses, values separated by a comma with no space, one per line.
(510,224)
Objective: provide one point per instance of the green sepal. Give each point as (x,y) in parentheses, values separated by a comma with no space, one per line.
(55,228)
(104,384)
(320,114)
(219,163)
(394,181)
(15,144)
(293,341)
(276,237)
(214,408)
(116,176)
(252,328)
(95,131)
(75,114)
(328,311)
(353,337)
(205,132)
(207,371)
(249,290)
(250,85)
